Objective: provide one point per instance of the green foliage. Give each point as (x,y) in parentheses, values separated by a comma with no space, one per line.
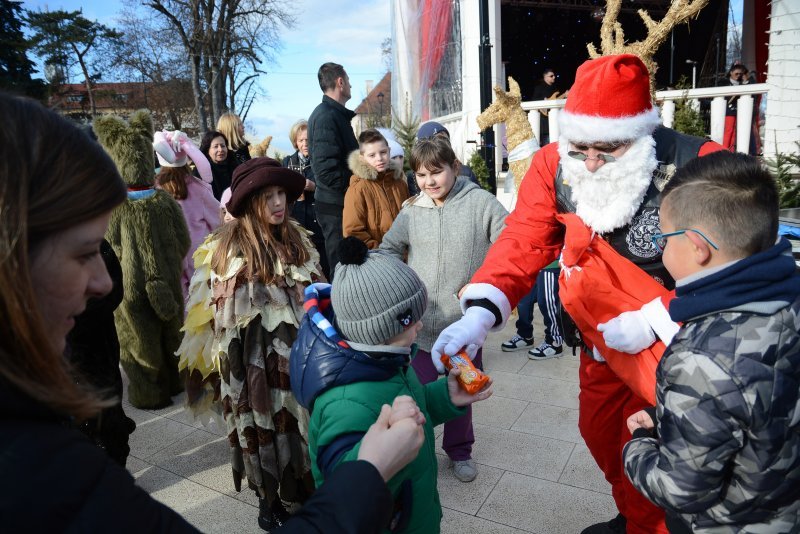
(788,183)
(15,66)
(687,118)
(478,166)
(66,38)
(405,129)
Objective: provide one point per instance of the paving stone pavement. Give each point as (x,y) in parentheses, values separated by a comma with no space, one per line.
(534,472)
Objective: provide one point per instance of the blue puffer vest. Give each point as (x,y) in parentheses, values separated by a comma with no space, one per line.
(321,359)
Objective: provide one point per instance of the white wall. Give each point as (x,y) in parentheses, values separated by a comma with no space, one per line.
(782,128)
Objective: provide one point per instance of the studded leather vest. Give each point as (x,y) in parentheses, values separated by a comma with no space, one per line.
(633,241)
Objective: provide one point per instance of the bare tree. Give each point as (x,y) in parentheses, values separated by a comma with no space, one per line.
(226,42)
(143,54)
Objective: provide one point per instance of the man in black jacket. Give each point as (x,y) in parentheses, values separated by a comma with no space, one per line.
(331,140)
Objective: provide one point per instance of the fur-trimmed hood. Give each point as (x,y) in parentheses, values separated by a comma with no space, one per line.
(361,169)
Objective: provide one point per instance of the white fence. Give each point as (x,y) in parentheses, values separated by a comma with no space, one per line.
(667,99)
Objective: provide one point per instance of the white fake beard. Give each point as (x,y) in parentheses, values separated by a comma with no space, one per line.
(608,198)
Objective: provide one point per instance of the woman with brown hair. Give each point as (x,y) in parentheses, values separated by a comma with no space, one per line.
(245,306)
(57,191)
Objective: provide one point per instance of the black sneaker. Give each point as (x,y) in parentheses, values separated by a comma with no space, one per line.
(545,351)
(615,526)
(516,343)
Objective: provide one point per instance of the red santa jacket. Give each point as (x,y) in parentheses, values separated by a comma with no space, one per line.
(532,239)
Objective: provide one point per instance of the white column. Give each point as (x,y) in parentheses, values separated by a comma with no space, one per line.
(499,78)
(668,113)
(717,119)
(552,116)
(533,118)
(744,119)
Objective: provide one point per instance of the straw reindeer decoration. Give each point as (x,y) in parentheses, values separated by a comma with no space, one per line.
(260,150)
(612,38)
(507,108)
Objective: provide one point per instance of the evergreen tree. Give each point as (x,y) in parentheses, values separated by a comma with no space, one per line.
(687,118)
(15,67)
(406,131)
(67,37)
(481,170)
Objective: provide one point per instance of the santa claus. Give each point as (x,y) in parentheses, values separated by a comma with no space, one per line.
(608,167)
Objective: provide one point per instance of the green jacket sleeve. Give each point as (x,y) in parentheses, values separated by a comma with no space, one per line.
(440,408)
(338,417)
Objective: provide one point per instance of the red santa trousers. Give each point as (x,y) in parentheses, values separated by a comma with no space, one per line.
(597,284)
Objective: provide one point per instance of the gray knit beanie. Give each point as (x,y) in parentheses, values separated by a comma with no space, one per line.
(374,296)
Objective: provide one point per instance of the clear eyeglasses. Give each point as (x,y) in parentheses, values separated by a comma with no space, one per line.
(660,240)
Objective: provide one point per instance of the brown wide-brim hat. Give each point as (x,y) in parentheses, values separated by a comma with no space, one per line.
(258,173)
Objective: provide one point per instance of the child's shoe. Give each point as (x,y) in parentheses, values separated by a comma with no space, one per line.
(465,470)
(545,351)
(516,343)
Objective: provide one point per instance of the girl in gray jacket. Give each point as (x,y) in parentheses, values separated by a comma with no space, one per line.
(445,232)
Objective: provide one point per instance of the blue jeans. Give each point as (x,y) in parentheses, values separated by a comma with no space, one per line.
(545,293)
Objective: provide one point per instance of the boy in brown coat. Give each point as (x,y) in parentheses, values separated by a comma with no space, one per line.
(377,190)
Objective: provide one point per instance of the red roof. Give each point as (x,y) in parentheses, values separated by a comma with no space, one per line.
(372,104)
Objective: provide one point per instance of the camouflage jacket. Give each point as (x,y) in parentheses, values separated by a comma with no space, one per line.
(728,420)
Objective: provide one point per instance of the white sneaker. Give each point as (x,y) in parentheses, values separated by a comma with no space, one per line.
(464,470)
(516,343)
(545,351)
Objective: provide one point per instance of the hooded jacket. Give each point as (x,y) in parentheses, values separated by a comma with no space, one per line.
(345,387)
(728,391)
(445,246)
(373,200)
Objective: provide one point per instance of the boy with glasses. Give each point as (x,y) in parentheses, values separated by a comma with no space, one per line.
(725,456)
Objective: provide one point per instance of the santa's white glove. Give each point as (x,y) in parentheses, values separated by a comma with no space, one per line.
(467,333)
(634,331)
(628,332)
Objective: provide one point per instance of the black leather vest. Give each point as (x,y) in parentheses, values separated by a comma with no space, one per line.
(634,240)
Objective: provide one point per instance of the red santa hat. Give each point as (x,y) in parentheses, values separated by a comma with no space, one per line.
(609,102)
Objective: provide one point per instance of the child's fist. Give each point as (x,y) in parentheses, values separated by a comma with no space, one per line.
(640,419)
(404,407)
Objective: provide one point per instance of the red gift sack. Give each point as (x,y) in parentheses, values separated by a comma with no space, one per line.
(597,284)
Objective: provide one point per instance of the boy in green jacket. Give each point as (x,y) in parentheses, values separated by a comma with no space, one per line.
(345,367)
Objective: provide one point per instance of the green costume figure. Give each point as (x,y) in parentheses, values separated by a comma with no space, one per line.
(149,236)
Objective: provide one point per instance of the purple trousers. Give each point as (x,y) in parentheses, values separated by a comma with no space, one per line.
(458,435)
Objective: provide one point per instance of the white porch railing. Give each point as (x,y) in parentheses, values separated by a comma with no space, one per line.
(718,95)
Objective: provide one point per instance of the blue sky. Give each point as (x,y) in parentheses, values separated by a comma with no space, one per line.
(348,32)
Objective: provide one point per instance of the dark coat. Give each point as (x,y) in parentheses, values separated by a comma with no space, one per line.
(54,479)
(221,174)
(303,210)
(93,348)
(331,140)
(353,500)
(240,155)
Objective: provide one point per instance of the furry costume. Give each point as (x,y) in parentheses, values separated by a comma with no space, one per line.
(149,235)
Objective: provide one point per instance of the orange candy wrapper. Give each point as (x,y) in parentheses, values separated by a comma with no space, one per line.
(471,378)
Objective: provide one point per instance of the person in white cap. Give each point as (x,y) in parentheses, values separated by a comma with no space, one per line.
(608,166)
